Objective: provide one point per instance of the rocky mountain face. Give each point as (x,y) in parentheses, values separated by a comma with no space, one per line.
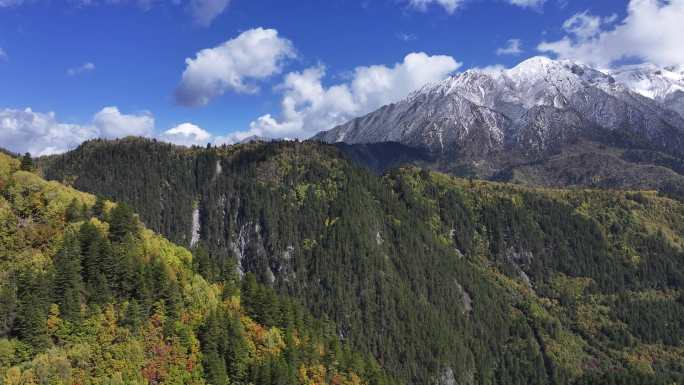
(534,107)
(489,123)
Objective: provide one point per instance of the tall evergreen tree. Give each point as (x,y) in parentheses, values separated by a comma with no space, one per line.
(99,207)
(68,280)
(249,295)
(32,309)
(27,163)
(101,277)
(8,304)
(122,222)
(75,211)
(215,368)
(236,351)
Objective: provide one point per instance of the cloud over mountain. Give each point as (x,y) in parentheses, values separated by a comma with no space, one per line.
(186,134)
(652,31)
(42,134)
(512,47)
(235,65)
(309,106)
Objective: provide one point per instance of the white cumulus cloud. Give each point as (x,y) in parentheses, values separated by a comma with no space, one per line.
(490,69)
(205,11)
(234,65)
(111,123)
(652,31)
(85,67)
(39,133)
(187,134)
(513,47)
(406,37)
(527,3)
(585,26)
(308,106)
(452,6)
(42,134)
(449,5)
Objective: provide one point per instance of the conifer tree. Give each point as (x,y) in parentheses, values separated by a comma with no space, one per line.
(213,338)
(8,305)
(215,368)
(75,211)
(68,280)
(248,294)
(88,237)
(122,221)
(99,207)
(133,316)
(236,351)
(32,309)
(27,162)
(31,322)
(268,307)
(98,263)
(203,263)
(129,268)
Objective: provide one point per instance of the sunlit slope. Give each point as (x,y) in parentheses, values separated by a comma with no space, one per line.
(88,295)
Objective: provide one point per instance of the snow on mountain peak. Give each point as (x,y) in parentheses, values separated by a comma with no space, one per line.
(540,80)
(537,104)
(534,65)
(534,82)
(650,80)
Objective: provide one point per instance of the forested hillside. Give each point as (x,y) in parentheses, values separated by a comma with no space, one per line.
(441,280)
(88,295)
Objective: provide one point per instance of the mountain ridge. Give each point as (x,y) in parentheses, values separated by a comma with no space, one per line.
(453,280)
(490,122)
(508,106)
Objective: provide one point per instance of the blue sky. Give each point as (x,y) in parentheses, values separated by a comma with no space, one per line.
(73,58)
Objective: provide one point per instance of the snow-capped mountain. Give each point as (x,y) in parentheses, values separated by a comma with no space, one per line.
(665,85)
(535,107)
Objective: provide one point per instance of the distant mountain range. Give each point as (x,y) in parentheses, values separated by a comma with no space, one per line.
(543,122)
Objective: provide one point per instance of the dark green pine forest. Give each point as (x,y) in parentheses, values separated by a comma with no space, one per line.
(436,279)
(89,295)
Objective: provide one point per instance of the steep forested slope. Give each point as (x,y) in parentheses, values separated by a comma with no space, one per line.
(442,280)
(90,296)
